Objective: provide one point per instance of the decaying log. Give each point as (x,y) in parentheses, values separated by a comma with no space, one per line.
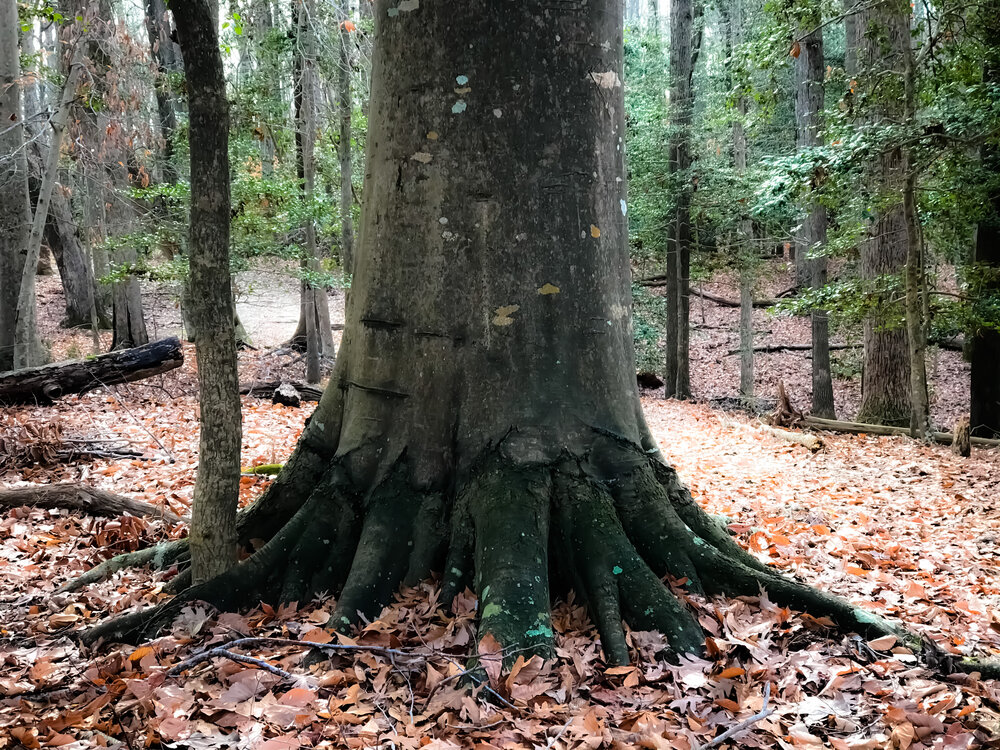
(43,385)
(835,425)
(91,500)
(807,439)
(777,348)
(266,389)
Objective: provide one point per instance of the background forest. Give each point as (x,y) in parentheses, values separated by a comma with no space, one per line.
(796,162)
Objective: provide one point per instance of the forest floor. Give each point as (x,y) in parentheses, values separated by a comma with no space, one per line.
(911,531)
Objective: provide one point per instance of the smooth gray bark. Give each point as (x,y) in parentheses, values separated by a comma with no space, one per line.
(15,211)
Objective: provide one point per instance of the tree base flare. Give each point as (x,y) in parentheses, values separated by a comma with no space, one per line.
(611,526)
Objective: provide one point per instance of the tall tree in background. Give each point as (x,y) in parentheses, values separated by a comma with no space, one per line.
(15,212)
(313,334)
(484,405)
(809,90)
(216,489)
(676,369)
(985,343)
(885,380)
(345,109)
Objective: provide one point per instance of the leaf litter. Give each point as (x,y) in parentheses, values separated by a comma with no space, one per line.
(908,530)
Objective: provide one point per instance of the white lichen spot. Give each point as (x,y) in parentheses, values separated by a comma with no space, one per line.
(607,80)
(446,235)
(458,107)
(443,220)
(521,237)
(498,113)
(408,5)
(463,90)
(433,136)
(461,80)
(423,157)
(392,12)
(502,316)
(618,311)
(548,289)
(624,206)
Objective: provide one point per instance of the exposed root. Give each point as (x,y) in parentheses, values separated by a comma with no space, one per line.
(611,534)
(160,556)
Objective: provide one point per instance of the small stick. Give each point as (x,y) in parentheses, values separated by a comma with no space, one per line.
(227,654)
(745,724)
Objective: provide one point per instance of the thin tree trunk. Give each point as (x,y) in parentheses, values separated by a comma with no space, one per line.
(345,106)
(920,417)
(812,271)
(167,59)
(746,333)
(314,309)
(15,209)
(26,350)
(216,490)
(985,341)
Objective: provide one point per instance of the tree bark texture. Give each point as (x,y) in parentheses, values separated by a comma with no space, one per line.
(483,417)
(345,107)
(167,59)
(885,380)
(312,334)
(15,211)
(985,342)
(811,271)
(216,490)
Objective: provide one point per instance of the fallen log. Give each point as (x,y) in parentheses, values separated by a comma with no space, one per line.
(266,389)
(777,348)
(806,439)
(43,385)
(857,428)
(80,497)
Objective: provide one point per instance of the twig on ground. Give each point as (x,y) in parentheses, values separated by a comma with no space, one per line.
(745,724)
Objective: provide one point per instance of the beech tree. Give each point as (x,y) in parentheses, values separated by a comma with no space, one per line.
(483,417)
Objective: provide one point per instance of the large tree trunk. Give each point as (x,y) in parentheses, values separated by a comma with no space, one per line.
(985,342)
(216,489)
(483,417)
(167,59)
(15,211)
(809,72)
(885,380)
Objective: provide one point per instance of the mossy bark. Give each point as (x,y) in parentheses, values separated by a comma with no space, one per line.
(483,417)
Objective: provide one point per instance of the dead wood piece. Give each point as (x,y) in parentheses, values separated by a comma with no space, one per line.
(858,428)
(785,414)
(961,444)
(721,301)
(777,348)
(287,395)
(72,496)
(43,385)
(810,441)
(267,388)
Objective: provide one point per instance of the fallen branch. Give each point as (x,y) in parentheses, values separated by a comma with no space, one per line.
(722,301)
(775,348)
(745,724)
(43,385)
(858,428)
(80,497)
(810,441)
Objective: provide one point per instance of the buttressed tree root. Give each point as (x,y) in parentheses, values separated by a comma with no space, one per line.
(517,534)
